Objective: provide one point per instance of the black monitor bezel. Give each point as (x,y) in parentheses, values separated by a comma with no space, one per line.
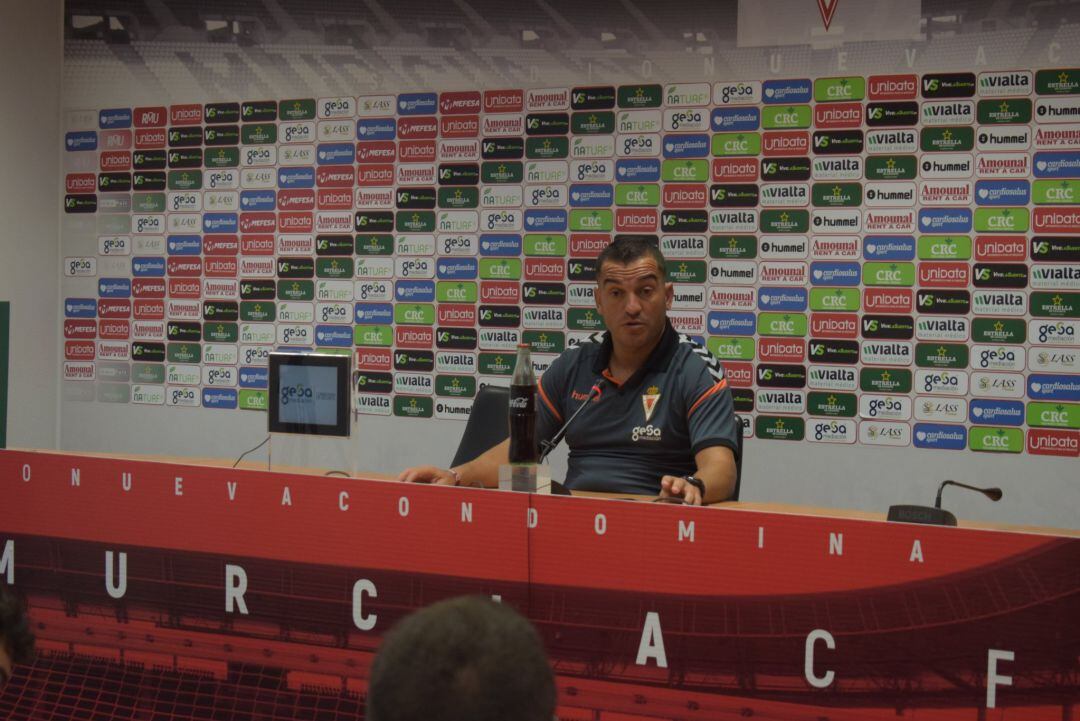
(341,363)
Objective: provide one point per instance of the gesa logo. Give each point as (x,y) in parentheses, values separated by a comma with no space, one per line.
(294,394)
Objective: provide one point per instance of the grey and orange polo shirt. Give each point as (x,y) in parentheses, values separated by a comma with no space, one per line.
(651,425)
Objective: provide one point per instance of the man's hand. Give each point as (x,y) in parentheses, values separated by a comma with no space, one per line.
(428,474)
(675,486)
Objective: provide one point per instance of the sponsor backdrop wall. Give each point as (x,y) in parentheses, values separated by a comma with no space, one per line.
(31,35)
(879,239)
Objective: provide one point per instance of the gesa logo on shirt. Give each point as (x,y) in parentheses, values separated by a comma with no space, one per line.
(647,433)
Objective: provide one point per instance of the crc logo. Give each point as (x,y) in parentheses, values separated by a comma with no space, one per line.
(298,393)
(647,433)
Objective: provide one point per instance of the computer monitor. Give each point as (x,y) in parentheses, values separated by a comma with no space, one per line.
(309,394)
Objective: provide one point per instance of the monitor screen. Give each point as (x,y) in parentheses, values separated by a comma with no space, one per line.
(309,394)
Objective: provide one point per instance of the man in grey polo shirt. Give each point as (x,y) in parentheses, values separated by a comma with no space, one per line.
(663,421)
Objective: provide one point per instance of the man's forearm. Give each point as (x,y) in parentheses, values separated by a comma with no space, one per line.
(484,469)
(716,469)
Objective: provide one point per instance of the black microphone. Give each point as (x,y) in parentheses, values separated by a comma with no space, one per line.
(546,447)
(937,515)
(994,494)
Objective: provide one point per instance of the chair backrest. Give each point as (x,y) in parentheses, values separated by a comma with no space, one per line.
(488,423)
(738,458)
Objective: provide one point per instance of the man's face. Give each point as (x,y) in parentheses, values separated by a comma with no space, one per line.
(633,300)
(5,664)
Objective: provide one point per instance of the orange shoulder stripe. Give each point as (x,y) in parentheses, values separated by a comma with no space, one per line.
(547,401)
(719,386)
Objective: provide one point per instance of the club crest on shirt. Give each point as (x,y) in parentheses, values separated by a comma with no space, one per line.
(649,401)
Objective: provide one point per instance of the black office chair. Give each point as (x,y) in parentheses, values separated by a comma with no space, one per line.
(738,457)
(487,426)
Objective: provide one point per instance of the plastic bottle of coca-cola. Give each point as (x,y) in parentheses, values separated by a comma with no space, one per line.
(523,408)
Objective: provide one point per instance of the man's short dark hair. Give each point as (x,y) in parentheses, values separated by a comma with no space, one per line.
(15,635)
(629,249)
(464,659)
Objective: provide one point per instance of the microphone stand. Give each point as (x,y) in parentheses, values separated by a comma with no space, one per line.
(546,447)
(936,515)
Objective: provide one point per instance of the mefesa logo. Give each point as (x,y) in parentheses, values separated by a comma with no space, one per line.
(459,103)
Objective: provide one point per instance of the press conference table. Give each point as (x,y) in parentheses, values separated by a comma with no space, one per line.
(157,568)
(766,507)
